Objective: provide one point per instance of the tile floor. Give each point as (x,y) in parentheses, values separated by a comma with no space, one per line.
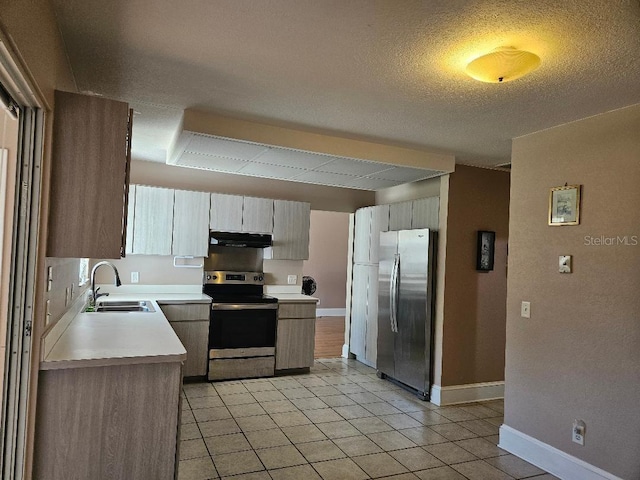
(339,422)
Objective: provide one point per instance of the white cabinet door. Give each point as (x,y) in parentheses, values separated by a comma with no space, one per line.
(190,219)
(358,331)
(379,223)
(426,212)
(371,331)
(290,230)
(362,235)
(400,216)
(131,215)
(153,221)
(226,212)
(257,215)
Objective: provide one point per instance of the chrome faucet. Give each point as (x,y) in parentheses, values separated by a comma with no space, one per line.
(94,291)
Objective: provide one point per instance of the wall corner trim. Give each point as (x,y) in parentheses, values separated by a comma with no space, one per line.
(472,392)
(549,458)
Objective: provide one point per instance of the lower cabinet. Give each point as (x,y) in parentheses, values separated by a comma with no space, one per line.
(190,321)
(295,341)
(101,423)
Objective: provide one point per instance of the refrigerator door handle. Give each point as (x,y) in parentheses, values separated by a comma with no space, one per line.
(393,294)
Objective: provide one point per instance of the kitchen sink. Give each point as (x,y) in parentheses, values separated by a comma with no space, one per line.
(124,306)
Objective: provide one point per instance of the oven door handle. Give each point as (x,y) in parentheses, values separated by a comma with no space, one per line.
(244,306)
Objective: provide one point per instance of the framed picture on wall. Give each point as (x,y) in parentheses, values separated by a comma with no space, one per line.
(564,205)
(485,250)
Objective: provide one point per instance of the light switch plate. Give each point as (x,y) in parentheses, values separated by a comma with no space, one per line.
(525,310)
(564,264)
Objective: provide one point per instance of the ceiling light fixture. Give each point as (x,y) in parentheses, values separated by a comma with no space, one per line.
(503,65)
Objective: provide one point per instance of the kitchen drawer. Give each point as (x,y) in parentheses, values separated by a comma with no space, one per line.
(297,310)
(186,312)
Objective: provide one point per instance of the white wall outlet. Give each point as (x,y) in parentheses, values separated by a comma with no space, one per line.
(135,277)
(564,264)
(577,432)
(525,310)
(292,279)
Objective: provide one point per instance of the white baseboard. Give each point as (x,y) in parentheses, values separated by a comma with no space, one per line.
(554,461)
(472,392)
(331,312)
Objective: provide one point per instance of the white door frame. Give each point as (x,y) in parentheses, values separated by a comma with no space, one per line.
(23,269)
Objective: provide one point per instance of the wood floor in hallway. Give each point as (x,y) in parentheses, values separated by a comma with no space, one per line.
(329,337)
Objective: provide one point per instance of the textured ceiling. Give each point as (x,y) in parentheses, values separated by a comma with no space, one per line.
(387,70)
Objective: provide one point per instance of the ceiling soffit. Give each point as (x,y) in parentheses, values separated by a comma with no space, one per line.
(228,145)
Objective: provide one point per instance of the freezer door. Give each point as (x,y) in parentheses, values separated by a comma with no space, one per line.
(386,336)
(414,315)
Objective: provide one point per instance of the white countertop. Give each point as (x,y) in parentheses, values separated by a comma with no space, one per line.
(106,338)
(293,297)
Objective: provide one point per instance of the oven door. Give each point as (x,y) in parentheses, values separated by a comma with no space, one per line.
(237,330)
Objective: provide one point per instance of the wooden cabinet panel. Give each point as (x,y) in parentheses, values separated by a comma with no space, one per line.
(190,219)
(226,212)
(291,230)
(194,336)
(295,343)
(185,312)
(426,212)
(190,321)
(153,221)
(89,177)
(297,310)
(400,216)
(111,422)
(257,215)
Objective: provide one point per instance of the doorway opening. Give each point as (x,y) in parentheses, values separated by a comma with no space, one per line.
(328,267)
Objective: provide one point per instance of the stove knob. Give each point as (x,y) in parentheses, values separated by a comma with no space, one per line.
(255,278)
(208,277)
(260,278)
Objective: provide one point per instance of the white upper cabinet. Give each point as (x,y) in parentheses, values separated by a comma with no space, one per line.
(226,212)
(370,221)
(362,235)
(153,221)
(130,219)
(191,216)
(291,230)
(379,223)
(257,215)
(400,215)
(426,213)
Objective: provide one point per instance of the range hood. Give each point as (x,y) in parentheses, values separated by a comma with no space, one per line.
(241,240)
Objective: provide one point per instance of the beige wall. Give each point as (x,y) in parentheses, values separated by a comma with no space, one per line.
(475,302)
(152,270)
(579,354)
(327,264)
(320,197)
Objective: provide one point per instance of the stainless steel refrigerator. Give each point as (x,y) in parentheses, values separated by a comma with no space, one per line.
(405,307)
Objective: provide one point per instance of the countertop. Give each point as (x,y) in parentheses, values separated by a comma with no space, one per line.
(293,297)
(102,339)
